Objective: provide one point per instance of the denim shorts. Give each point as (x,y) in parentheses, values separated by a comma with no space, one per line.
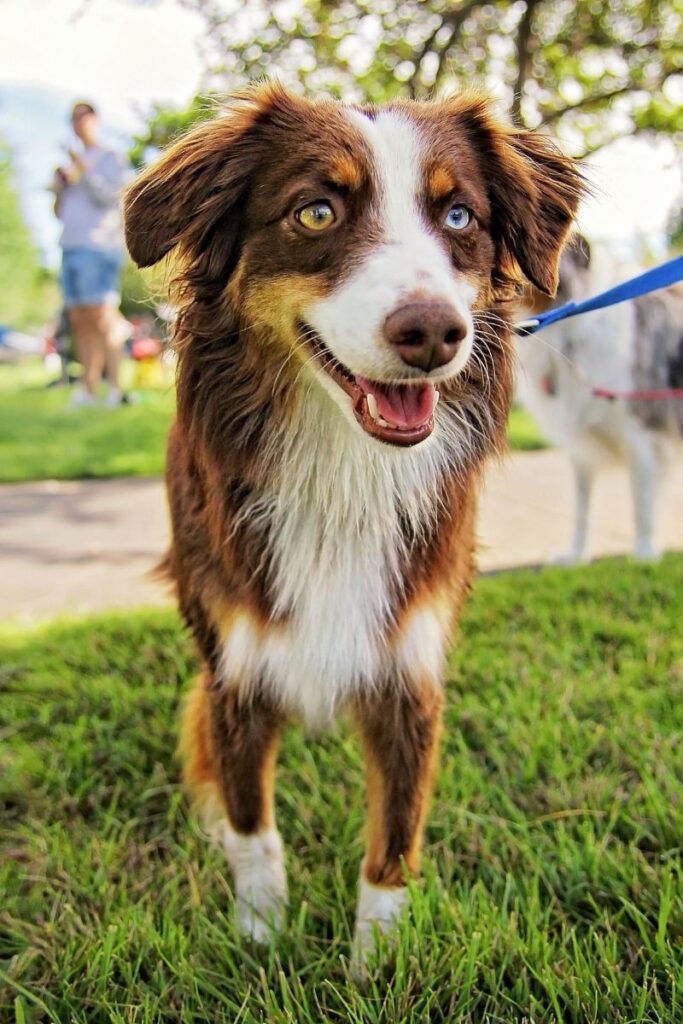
(90,277)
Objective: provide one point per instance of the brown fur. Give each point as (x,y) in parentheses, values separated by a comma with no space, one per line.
(229,748)
(443,563)
(400,732)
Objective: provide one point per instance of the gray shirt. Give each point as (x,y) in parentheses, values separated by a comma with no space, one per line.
(90,209)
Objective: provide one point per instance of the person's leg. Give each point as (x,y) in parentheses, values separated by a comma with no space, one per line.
(74,281)
(92,279)
(111,326)
(85,322)
(110,320)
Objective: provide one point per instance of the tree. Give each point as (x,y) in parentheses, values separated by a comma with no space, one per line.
(675,227)
(29,293)
(591,71)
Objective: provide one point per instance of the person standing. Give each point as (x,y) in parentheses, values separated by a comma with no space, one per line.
(88,203)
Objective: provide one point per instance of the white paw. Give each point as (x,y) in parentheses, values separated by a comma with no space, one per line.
(644,551)
(379,910)
(257,863)
(260,914)
(569,558)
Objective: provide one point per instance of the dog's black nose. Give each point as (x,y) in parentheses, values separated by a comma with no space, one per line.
(425,334)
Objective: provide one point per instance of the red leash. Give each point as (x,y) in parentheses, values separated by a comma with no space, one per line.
(651,395)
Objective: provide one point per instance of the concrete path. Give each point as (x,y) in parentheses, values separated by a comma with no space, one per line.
(87,545)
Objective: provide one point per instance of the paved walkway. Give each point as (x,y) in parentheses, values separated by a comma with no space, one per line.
(87,545)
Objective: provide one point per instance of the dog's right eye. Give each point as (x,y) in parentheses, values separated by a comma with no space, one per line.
(316,216)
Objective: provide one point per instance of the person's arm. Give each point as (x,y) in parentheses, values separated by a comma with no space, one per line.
(105,182)
(59,183)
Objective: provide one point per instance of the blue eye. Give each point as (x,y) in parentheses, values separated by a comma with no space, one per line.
(458,218)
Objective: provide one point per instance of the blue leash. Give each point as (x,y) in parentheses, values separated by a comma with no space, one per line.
(652,280)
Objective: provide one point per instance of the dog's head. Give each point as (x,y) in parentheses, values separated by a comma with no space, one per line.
(365,240)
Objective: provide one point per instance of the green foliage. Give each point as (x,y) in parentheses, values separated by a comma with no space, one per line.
(164,125)
(675,228)
(553,883)
(523,433)
(29,294)
(143,290)
(591,71)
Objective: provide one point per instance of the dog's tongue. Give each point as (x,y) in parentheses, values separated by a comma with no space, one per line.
(402,405)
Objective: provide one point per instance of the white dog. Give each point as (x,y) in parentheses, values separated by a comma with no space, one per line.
(630,347)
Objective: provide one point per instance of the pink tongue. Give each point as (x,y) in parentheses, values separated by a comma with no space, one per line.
(402,405)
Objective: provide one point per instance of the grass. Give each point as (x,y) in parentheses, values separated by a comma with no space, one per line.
(523,434)
(552,885)
(42,438)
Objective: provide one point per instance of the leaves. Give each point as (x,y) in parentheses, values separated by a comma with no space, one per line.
(28,295)
(593,70)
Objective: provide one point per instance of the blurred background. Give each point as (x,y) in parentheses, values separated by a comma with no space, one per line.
(84,514)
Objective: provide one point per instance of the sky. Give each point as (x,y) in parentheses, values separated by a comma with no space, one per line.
(121,55)
(124,55)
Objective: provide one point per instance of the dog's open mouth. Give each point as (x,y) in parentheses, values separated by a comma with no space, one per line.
(399,414)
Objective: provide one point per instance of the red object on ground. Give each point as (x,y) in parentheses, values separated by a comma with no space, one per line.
(145,348)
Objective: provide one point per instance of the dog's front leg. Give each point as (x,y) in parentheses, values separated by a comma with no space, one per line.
(400,728)
(245,731)
(229,744)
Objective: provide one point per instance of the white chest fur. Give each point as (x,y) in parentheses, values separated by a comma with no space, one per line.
(336,551)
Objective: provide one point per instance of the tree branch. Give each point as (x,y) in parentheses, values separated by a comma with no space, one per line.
(524,33)
(454,21)
(597,146)
(595,99)
(592,100)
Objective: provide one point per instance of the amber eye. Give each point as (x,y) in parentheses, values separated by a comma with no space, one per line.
(316,216)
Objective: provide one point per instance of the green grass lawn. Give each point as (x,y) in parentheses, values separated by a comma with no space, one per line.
(42,438)
(552,885)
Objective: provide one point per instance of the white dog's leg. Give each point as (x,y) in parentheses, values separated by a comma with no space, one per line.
(257,863)
(646,472)
(258,867)
(583,483)
(379,909)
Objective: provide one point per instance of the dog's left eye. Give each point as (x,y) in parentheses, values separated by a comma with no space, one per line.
(316,216)
(458,218)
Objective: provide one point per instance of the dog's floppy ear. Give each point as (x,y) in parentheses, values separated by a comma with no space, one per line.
(536,197)
(198,181)
(534,191)
(580,250)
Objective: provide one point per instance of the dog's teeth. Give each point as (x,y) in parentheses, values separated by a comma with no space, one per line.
(382,422)
(372,407)
(435,400)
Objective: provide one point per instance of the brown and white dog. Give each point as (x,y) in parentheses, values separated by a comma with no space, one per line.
(342,270)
